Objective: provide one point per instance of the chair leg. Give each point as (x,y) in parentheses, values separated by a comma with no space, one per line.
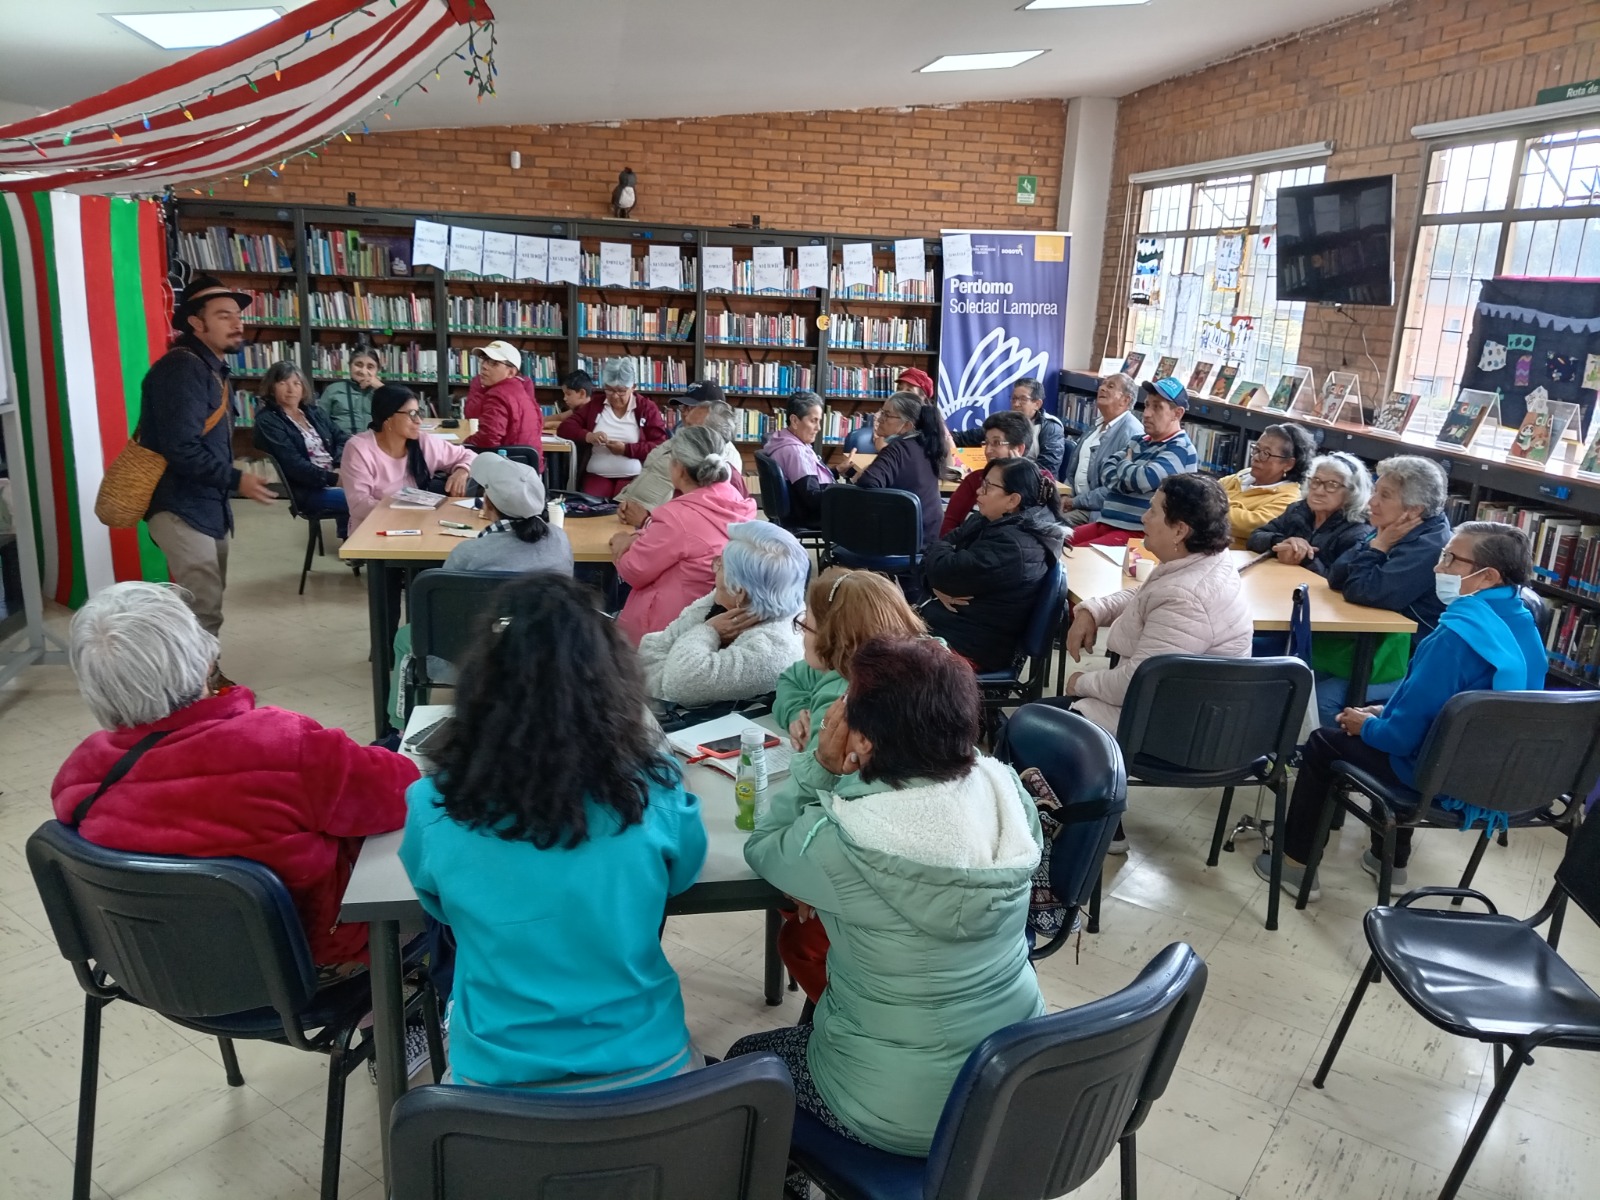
(1368,977)
(1222,825)
(1386,863)
(1130,1168)
(1280,817)
(230,1062)
(431,1025)
(312,538)
(1480,1130)
(1324,826)
(316,523)
(1094,909)
(1556,918)
(333,1121)
(88,1092)
(1478,848)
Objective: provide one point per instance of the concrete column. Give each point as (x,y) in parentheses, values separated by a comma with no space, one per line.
(1085,197)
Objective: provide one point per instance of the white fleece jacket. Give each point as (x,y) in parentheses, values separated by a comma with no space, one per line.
(686,664)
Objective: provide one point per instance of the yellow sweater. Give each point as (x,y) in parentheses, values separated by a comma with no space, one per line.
(1251,508)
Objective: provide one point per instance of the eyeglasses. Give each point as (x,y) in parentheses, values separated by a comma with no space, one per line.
(1258,452)
(1448,560)
(616,393)
(986,488)
(410,414)
(1326,485)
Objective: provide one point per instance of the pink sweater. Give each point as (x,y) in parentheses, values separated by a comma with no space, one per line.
(369,476)
(670,566)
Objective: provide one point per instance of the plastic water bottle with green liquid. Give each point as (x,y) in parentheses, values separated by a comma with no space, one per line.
(750,786)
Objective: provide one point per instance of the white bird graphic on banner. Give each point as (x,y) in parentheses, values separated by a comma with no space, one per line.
(995,365)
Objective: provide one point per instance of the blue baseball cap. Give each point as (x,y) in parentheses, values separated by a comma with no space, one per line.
(1169,389)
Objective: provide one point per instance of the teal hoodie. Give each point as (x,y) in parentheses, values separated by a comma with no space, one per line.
(803,688)
(924,892)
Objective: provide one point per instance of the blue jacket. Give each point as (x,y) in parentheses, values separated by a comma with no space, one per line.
(559,969)
(1139,472)
(1485,641)
(182,388)
(1401,580)
(1102,460)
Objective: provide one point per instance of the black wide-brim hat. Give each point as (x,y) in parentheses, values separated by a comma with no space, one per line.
(200,289)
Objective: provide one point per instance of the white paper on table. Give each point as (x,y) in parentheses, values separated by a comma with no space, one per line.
(858,268)
(460,533)
(533,258)
(466,249)
(666,267)
(563,261)
(957,254)
(465,503)
(813,267)
(910,261)
(716,268)
(616,264)
(769,268)
(500,254)
(430,245)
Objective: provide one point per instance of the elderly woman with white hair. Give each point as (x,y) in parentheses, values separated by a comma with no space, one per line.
(616,431)
(1329,518)
(734,643)
(669,563)
(1392,569)
(208,774)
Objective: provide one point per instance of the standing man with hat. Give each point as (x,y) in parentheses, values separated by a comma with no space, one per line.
(1165,449)
(184,416)
(502,400)
(703,404)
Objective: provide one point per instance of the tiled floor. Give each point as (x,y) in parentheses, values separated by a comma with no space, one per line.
(1240,1119)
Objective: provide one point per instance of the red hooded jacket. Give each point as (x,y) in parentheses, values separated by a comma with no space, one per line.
(508,414)
(234,780)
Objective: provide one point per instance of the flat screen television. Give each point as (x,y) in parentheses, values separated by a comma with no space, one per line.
(1336,241)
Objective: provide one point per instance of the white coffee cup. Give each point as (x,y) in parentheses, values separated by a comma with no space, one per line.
(1143,568)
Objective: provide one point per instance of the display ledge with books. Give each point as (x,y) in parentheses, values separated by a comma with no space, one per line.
(387,329)
(630,338)
(482,331)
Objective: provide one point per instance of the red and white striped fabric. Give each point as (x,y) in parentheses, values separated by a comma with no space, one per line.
(307,87)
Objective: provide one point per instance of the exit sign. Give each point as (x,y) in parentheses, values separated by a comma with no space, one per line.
(1027,189)
(1568,91)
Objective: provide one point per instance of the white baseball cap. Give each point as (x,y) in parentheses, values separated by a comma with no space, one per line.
(516,491)
(502,352)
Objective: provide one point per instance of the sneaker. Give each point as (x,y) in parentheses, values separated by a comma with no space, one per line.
(1292,877)
(1371,865)
(1119,841)
(416,1050)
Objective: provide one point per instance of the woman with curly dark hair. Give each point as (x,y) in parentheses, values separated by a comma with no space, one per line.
(552,866)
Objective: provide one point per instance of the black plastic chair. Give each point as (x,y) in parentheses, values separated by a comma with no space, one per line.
(528,456)
(872,529)
(1083,766)
(1488,977)
(313,521)
(212,944)
(1025,681)
(717,1134)
(1039,1106)
(1194,721)
(447,611)
(1519,753)
(777,505)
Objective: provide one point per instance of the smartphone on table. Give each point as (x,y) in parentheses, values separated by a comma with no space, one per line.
(729,746)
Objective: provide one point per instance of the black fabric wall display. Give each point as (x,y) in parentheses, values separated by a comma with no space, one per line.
(1536,333)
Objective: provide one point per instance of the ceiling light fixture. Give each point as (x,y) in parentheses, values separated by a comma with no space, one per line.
(993,61)
(1041,5)
(195,30)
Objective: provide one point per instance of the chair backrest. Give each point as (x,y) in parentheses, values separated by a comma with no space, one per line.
(1537,608)
(872,522)
(1578,873)
(717,1134)
(860,440)
(283,483)
(447,610)
(186,937)
(1200,713)
(526,455)
(1039,636)
(1083,766)
(1041,1104)
(1512,751)
(774,489)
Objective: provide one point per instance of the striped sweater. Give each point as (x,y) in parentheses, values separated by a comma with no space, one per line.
(1135,478)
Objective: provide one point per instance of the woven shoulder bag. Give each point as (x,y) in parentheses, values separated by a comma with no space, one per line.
(130,481)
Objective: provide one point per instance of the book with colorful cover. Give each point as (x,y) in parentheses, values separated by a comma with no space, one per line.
(1224,381)
(1532,443)
(1165,365)
(1395,413)
(1589,464)
(1131,364)
(1198,376)
(1332,398)
(1283,394)
(1462,422)
(1248,393)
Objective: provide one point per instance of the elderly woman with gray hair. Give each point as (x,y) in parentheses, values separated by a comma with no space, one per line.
(1329,518)
(703,404)
(615,431)
(207,774)
(734,643)
(1392,569)
(669,562)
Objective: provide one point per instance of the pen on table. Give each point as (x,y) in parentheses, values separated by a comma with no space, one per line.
(399,533)
(454,525)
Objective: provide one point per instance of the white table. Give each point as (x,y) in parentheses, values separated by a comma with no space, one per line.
(380,893)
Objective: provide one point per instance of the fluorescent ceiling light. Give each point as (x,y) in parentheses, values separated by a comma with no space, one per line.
(980,62)
(1039,5)
(195,30)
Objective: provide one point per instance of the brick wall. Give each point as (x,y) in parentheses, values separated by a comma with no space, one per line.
(1363,83)
(878,171)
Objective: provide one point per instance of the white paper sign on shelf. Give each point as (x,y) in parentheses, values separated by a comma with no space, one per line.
(769,268)
(466,249)
(665,267)
(616,264)
(957,254)
(430,245)
(564,254)
(910,262)
(500,254)
(533,258)
(858,268)
(716,268)
(813,267)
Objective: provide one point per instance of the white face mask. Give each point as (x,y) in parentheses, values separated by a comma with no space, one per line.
(1448,588)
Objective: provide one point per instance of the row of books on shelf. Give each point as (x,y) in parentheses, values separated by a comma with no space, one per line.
(1078,413)
(756,425)
(766,329)
(398,362)
(1566,549)
(272,308)
(346,252)
(744,280)
(770,378)
(366,310)
(253,358)
(218,248)
(653,374)
(499,314)
(862,381)
(589,271)
(1219,450)
(878,333)
(1572,638)
(622,320)
(541,368)
(885,286)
